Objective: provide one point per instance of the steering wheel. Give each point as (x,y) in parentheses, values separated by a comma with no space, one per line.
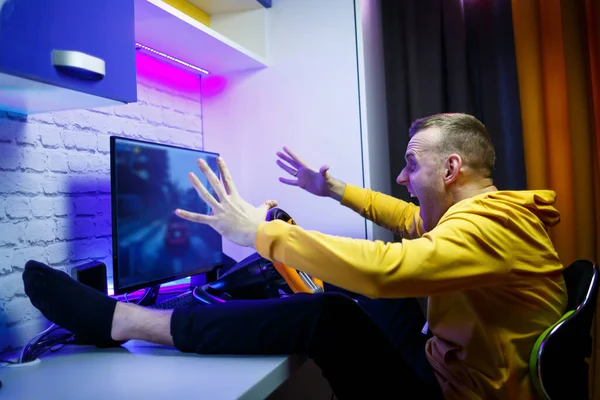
(299,282)
(256,274)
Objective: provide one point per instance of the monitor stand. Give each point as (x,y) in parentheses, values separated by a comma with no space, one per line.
(212,275)
(149,296)
(203,278)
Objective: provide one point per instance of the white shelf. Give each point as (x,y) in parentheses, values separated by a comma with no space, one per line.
(166,29)
(213,7)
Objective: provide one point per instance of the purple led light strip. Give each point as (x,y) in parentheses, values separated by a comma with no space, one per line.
(168,57)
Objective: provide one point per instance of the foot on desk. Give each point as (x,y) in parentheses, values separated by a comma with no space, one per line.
(69,304)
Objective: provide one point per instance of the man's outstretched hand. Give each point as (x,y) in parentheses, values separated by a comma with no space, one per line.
(233,217)
(318,182)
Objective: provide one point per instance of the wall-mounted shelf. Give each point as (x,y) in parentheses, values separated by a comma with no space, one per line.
(213,7)
(168,30)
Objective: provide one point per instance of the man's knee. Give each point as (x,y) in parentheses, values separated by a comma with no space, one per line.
(335,305)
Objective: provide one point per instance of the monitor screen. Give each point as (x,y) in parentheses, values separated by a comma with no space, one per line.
(152,245)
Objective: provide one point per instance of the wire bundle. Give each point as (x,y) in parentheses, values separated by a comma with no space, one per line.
(51,339)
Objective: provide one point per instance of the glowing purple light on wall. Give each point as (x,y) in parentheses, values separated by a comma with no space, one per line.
(155,52)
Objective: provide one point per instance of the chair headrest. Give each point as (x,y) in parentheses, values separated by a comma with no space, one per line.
(581,279)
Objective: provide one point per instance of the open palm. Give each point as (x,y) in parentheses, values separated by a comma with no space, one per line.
(315,182)
(232,216)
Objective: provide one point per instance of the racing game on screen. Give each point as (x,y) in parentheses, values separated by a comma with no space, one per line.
(149,181)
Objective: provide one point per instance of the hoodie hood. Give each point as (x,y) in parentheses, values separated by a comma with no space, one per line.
(539,202)
(515,204)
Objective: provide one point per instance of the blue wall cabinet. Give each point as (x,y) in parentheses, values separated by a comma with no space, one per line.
(66,54)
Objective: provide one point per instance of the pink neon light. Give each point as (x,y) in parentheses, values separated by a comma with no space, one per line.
(167,75)
(212,85)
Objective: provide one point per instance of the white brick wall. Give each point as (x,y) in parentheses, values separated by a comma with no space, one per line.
(55,185)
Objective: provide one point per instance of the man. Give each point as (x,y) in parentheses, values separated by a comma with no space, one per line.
(482,256)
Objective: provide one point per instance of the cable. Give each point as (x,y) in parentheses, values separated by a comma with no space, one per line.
(53,346)
(32,340)
(53,343)
(52,339)
(29,352)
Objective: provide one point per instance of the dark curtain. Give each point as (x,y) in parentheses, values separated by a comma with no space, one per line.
(453,56)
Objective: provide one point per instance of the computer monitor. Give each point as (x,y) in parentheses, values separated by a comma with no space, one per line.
(152,245)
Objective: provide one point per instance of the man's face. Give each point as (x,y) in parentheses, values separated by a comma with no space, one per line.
(423,176)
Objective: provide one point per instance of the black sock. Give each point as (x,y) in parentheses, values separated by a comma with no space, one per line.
(69,304)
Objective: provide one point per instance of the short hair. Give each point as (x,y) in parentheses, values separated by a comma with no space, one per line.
(464,135)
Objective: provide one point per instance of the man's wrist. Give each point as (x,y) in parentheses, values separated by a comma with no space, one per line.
(251,235)
(337,189)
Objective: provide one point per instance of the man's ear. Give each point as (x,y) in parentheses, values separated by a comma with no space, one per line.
(453,164)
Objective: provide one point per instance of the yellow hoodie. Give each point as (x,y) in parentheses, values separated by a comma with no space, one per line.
(489,268)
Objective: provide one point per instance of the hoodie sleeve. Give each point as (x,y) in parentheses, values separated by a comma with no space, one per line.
(389,212)
(459,254)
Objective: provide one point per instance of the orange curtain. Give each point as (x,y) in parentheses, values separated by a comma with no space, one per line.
(557,47)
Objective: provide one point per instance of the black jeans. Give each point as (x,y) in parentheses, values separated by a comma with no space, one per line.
(357,358)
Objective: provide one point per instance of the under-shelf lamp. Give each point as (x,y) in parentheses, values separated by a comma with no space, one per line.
(159,54)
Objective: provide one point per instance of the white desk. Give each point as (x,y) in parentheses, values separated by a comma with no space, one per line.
(144,371)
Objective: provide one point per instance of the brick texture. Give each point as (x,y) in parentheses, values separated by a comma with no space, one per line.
(55,185)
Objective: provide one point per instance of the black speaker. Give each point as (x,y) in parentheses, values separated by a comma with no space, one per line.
(92,274)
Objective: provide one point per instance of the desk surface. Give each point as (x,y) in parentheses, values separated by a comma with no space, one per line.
(141,370)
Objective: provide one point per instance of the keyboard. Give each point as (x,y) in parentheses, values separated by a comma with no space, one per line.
(182,300)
